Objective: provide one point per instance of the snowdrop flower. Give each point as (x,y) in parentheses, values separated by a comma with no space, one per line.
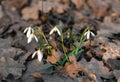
(88,33)
(39,55)
(55,29)
(31,36)
(28,31)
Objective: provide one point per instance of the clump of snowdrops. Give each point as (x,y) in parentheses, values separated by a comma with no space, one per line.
(35,33)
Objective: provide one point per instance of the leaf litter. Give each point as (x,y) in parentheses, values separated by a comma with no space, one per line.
(98,63)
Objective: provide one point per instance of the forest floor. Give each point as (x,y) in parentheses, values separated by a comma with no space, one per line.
(100,59)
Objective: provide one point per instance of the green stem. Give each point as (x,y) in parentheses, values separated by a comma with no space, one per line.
(82,39)
(64,49)
(44,37)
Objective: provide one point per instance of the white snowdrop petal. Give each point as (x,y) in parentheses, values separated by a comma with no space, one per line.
(40,55)
(51,32)
(92,34)
(30,38)
(34,54)
(58,32)
(32,30)
(55,29)
(28,32)
(36,38)
(88,35)
(85,33)
(25,30)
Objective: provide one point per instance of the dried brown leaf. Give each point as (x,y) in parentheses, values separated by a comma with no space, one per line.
(92,76)
(36,75)
(1,12)
(73,68)
(30,13)
(10,66)
(65,1)
(78,3)
(72,72)
(15,3)
(49,5)
(53,43)
(98,68)
(118,79)
(100,10)
(116,74)
(112,51)
(24,57)
(54,57)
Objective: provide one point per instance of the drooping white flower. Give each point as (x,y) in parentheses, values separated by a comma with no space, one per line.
(88,33)
(39,55)
(55,29)
(31,36)
(28,31)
